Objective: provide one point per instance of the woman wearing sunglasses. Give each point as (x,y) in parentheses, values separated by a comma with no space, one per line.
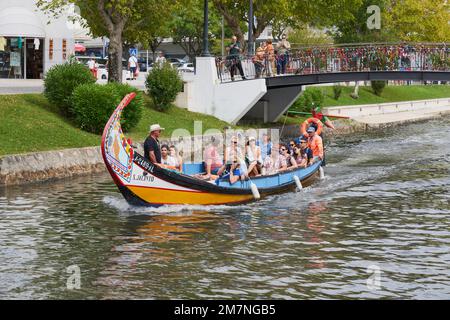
(300,157)
(290,161)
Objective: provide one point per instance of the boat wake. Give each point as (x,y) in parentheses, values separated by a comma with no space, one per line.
(121,205)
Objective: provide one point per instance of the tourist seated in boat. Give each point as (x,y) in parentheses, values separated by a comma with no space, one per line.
(236,173)
(300,159)
(152,151)
(178,159)
(290,161)
(253,156)
(291,147)
(265,146)
(302,154)
(212,161)
(233,153)
(167,161)
(315,144)
(275,162)
(305,150)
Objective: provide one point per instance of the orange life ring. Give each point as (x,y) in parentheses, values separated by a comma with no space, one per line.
(306,124)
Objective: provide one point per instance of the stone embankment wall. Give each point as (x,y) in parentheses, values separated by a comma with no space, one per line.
(39,166)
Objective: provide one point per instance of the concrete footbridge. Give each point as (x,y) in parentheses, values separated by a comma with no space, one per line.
(264,86)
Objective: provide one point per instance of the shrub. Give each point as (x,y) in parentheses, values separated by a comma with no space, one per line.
(93,104)
(378,86)
(133,112)
(61,80)
(337,90)
(311,98)
(163,84)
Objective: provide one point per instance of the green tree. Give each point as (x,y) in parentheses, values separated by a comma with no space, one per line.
(405,20)
(308,36)
(119,20)
(425,20)
(282,14)
(186,26)
(352,27)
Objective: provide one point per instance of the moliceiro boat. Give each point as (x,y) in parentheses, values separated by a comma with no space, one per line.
(145,184)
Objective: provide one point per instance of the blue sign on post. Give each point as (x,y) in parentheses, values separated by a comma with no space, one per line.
(133,51)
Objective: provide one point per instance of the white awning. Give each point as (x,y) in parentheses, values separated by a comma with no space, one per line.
(20,22)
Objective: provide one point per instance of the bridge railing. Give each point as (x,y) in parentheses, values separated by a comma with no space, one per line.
(320,59)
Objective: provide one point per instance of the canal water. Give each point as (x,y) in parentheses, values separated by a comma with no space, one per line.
(378,226)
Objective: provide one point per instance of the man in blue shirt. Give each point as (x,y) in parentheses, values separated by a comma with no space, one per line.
(266,146)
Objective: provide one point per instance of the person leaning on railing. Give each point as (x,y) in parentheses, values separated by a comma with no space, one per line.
(258,60)
(270,56)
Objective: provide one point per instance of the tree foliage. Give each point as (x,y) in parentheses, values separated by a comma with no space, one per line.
(424,20)
(406,20)
(308,36)
(163,84)
(186,26)
(119,20)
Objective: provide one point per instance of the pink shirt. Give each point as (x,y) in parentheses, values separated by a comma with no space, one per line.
(211,154)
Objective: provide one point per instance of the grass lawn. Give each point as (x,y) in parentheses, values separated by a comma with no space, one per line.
(389,94)
(29,123)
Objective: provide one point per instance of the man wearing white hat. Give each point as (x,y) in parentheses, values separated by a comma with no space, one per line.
(151,145)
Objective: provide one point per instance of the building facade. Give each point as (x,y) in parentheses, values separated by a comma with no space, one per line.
(31,42)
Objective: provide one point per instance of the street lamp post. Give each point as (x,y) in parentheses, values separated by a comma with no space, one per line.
(205,52)
(250,29)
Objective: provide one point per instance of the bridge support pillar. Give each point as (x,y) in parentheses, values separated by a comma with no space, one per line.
(227,101)
(273,104)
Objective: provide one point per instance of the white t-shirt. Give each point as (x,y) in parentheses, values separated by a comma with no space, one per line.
(37,43)
(133,62)
(160,60)
(170,161)
(91,64)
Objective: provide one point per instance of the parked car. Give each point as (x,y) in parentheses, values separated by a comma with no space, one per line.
(186,67)
(143,64)
(175,60)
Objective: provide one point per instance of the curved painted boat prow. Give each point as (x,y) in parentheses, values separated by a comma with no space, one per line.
(145,184)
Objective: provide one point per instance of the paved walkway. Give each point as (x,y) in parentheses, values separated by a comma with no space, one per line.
(404,116)
(393,112)
(19,86)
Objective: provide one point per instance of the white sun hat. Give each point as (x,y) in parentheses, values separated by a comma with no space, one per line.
(155,127)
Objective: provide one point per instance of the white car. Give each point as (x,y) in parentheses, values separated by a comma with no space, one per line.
(186,67)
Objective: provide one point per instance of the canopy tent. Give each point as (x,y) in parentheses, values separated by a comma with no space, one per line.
(20,22)
(79,48)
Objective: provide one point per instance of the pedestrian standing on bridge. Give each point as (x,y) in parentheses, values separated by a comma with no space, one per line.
(258,60)
(270,56)
(234,58)
(283,48)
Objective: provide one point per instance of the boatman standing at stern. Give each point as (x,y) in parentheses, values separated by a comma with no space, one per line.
(151,145)
(315,144)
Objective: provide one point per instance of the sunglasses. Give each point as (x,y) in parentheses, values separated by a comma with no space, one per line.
(292,144)
(282,149)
